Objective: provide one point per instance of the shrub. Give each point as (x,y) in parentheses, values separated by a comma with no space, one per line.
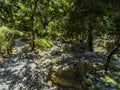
(43,43)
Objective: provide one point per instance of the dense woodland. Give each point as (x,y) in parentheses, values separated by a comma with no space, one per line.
(79,26)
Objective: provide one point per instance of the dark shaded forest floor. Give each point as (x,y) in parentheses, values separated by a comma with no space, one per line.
(32,71)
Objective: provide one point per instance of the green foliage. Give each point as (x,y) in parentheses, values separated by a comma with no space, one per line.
(6,39)
(6,32)
(43,43)
(105,25)
(56,19)
(6,36)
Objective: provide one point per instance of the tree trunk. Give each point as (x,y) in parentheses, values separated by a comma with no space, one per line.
(32,26)
(110,56)
(33,41)
(90,37)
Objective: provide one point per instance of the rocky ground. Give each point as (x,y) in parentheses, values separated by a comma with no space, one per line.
(57,70)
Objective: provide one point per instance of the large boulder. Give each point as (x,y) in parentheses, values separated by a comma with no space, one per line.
(70,73)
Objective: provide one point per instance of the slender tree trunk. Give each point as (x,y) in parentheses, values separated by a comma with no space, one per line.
(90,37)
(32,34)
(32,26)
(110,56)
(33,41)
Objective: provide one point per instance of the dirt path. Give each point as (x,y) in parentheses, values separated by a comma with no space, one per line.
(18,73)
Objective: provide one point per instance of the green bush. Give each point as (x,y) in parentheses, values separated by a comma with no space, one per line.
(6,39)
(43,43)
